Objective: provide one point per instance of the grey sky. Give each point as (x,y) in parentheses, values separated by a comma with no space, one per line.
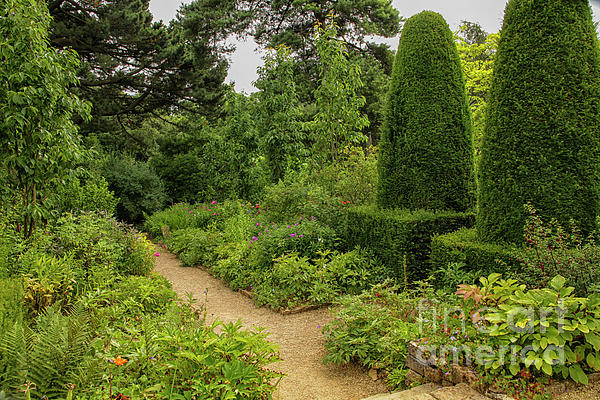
(244,62)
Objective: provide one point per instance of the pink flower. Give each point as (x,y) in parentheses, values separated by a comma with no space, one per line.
(156,254)
(214,202)
(214,214)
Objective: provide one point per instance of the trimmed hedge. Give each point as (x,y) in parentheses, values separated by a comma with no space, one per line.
(540,143)
(392,234)
(463,246)
(425,159)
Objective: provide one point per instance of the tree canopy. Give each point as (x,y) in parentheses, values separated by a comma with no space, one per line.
(133,67)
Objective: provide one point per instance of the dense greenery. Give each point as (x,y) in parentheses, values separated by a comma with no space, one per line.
(425,153)
(540,140)
(39,144)
(402,238)
(285,196)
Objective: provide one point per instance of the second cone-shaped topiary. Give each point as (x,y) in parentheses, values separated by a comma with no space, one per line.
(540,143)
(425,159)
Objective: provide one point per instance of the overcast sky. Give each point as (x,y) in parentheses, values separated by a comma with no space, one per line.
(488,13)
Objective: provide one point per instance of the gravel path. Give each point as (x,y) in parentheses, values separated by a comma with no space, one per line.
(298,335)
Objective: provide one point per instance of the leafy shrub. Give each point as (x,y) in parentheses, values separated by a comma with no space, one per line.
(560,324)
(352,178)
(184,215)
(543,114)
(448,277)
(195,246)
(91,196)
(140,190)
(102,246)
(393,235)
(550,250)
(462,246)
(294,198)
(425,159)
(372,329)
(306,238)
(138,258)
(51,280)
(233,266)
(11,314)
(12,243)
(294,280)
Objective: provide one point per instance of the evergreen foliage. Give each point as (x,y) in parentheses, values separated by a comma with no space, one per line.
(540,142)
(425,151)
(398,235)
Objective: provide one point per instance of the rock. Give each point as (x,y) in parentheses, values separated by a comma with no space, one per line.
(373,374)
(459,392)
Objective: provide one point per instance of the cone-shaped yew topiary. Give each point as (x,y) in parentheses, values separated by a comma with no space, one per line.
(425,159)
(540,142)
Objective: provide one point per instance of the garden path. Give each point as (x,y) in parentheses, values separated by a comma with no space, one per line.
(298,335)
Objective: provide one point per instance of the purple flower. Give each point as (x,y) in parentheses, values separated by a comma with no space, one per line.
(288,227)
(254,238)
(258,224)
(292,234)
(300,235)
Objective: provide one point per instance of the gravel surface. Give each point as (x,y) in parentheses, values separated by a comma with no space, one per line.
(298,335)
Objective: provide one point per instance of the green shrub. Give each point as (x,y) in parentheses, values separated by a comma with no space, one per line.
(140,190)
(550,250)
(102,247)
(296,198)
(425,159)
(463,246)
(372,329)
(540,141)
(91,196)
(547,332)
(233,266)
(352,178)
(184,215)
(395,234)
(195,246)
(307,238)
(294,281)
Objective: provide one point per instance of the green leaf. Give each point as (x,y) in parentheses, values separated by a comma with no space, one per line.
(576,373)
(557,283)
(514,369)
(593,339)
(547,368)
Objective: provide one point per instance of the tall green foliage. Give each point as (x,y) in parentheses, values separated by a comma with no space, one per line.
(338,121)
(425,152)
(278,112)
(39,146)
(540,142)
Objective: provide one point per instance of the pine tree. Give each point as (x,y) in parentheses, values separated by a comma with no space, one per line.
(540,142)
(426,152)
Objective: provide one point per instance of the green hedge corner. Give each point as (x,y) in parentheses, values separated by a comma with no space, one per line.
(464,246)
(393,234)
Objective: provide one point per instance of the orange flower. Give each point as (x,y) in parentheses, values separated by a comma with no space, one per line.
(118,361)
